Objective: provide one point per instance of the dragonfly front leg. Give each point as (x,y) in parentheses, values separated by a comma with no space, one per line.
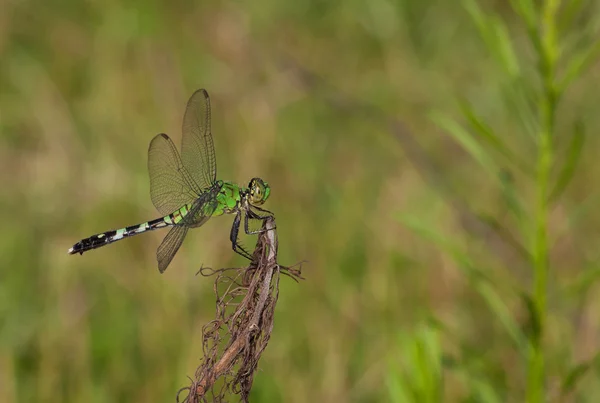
(262,210)
(233,236)
(252,215)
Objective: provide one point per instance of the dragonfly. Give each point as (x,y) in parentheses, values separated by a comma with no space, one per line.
(185,190)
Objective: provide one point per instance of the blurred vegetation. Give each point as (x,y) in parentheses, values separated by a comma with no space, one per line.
(433,161)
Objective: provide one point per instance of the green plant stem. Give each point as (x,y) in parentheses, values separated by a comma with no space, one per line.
(547,107)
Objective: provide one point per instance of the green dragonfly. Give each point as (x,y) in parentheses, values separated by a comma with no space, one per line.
(186,191)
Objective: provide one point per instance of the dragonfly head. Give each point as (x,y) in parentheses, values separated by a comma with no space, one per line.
(259,191)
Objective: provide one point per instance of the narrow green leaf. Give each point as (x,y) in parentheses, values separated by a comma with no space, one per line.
(504,47)
(481,128)
(520,99)
(480,280)
(578,64)
(504,234)
(576,214)
(465,139)
(503,314)
(487,134)
(494,33)
(468,365)
(510,195)
(486,394)
(427,360)
(573,154)
(582,283)
(574,375)
(533,326)
(577,373)
(422,359)
(568,15)
(469,368)
(462,259)
(397,388)
(526,10)
(476,14)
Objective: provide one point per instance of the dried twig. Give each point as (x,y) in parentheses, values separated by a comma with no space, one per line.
(234,341)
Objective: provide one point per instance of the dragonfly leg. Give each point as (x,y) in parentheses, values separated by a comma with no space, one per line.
(262,210)
(252,215)
(233,236)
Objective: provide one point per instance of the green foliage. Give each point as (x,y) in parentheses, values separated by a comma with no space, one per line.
(480,141)
(418,375)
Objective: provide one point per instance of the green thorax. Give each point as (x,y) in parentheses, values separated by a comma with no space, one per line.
(228,198)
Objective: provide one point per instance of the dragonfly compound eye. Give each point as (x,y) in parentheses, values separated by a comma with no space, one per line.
(259,191)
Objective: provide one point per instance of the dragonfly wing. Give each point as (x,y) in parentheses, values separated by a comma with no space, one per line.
(202,210)
(171,185)
(197,147)
(169,246)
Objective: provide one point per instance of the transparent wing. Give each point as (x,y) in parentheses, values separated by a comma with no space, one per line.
(171,185)
(199,214)
(197,147)
(170,245)
(202,209)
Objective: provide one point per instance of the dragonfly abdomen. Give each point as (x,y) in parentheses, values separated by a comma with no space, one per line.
(105,238)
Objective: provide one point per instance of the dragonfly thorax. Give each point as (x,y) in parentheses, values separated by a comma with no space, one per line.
(231,197)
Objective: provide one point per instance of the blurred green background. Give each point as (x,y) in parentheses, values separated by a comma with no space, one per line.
(417,234)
